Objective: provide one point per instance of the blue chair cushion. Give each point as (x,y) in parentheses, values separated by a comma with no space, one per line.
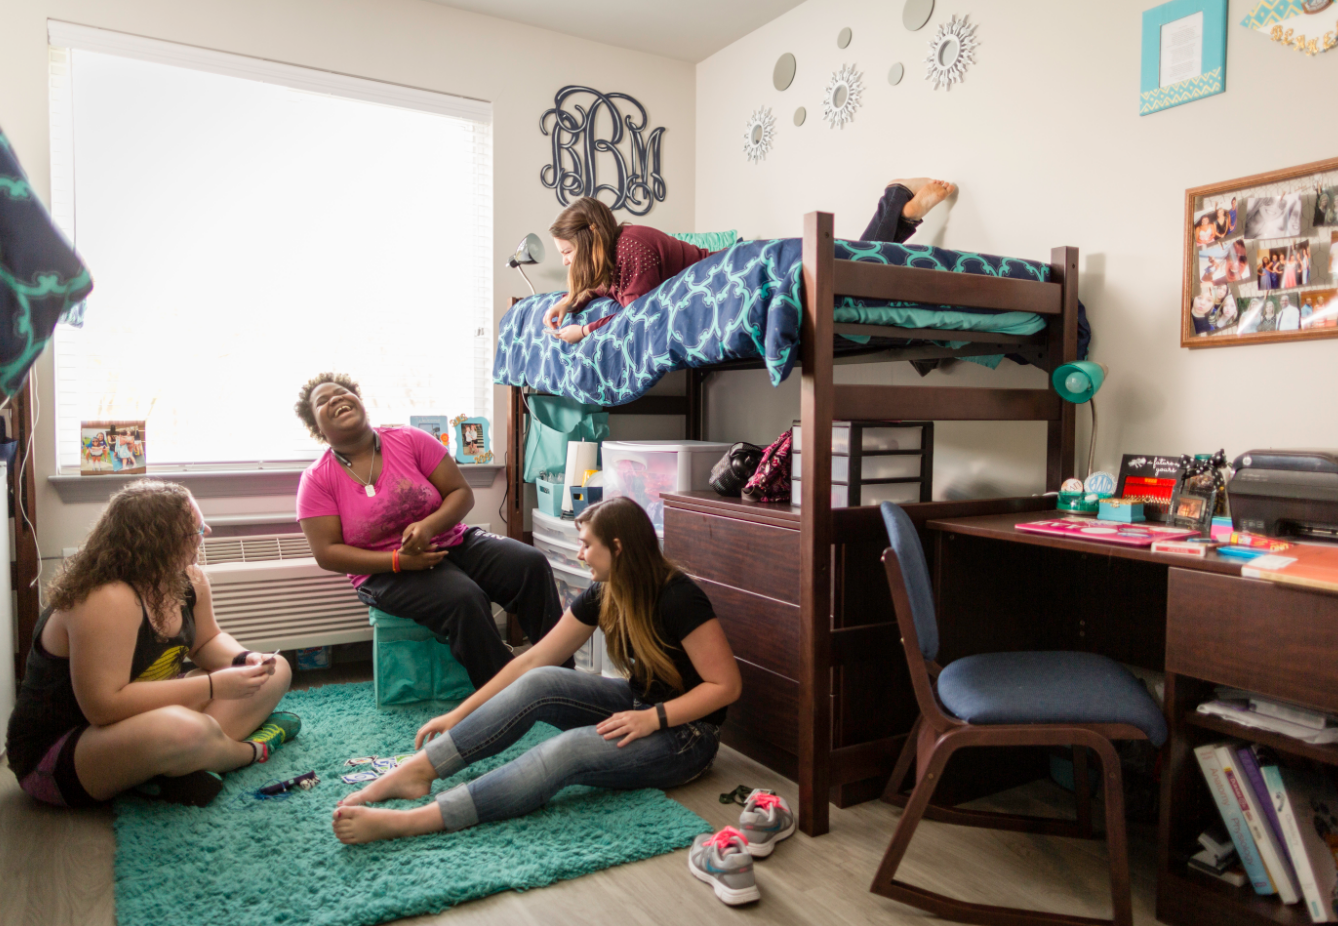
(1048,687)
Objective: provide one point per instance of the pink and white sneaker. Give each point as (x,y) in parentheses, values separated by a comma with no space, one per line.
(765,821)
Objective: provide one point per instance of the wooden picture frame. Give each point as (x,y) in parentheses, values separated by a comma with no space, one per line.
(1269,273)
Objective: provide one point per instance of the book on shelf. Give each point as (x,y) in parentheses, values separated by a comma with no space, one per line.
(1250,758)
(1292,713)
(1272,855)
(1238,711)
(1292,815)
(1309,810)
(1233,819)
(1308,565)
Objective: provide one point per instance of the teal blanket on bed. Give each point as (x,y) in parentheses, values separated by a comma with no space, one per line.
(741,303)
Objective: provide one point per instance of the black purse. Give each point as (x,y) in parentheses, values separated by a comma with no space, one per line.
(735,468)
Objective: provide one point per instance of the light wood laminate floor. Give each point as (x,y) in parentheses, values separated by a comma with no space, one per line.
(56,868)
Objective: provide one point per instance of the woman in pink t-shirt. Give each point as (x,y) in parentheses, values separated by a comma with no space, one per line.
(387,505)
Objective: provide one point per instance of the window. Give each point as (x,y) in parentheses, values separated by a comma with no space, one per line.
(251,224)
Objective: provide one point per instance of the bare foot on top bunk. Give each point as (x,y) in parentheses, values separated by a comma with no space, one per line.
(411,780)
(929,195)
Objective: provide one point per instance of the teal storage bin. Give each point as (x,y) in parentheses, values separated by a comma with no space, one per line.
(550,495)
(409,664)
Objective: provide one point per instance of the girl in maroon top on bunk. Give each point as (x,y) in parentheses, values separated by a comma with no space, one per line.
(624,262)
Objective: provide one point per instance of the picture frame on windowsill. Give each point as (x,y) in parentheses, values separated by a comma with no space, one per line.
(472,442)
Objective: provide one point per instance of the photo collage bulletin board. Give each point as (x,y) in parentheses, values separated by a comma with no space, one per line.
(1261,258)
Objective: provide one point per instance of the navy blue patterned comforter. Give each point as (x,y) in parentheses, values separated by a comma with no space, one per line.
(742,303)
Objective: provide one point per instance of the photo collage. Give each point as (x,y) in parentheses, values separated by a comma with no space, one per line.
(1267,260)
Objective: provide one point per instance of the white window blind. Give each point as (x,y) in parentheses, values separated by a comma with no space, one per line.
(250,224)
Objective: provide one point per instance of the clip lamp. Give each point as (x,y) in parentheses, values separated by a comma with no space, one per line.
(1078,382)
(529,251)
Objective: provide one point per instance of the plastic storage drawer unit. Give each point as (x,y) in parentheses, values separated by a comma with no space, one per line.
(643,470)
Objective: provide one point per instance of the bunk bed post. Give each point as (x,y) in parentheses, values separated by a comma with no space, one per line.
(1062,348)
(815,545)
(695,426)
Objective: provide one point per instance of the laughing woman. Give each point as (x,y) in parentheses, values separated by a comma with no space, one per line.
(386,506)
(661,729)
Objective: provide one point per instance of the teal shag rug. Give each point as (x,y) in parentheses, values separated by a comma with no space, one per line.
(250,862)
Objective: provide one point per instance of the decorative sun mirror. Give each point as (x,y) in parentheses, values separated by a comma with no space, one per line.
(950,51)
(842,96)
(758,136)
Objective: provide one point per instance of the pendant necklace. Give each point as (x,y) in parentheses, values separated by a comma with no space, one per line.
(367,485)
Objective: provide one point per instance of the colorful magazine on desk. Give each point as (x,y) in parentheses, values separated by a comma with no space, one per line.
(1128,535)
(1307,564)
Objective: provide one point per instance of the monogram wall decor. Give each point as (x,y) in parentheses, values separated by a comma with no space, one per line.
(602,136)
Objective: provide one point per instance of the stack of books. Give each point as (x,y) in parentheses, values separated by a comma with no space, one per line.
(1282,822)
(1293,720)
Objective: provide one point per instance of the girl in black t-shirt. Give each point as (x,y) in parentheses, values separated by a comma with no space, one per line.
(657,729)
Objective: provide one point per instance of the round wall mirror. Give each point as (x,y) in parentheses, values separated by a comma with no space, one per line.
(895,73)
(916,13)
(800,115)
(783,76)
(843,37)
(757,134)
(948,51)
(839,96)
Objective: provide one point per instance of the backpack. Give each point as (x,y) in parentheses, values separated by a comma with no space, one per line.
(771,481)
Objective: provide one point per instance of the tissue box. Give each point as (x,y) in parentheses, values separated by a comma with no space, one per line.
(1117,509)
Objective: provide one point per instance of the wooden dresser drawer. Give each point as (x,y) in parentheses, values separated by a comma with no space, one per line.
(1253,634)
(755,557)
(760,630)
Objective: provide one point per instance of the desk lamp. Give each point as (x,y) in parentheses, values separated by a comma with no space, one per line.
(529,251)
(1078,382)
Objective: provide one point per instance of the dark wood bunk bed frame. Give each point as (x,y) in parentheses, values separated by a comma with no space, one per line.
(849,541)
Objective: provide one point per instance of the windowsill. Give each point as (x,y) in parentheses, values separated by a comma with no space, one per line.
(245,483)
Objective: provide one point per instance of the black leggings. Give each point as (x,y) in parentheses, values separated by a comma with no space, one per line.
(454,598)
(887,223)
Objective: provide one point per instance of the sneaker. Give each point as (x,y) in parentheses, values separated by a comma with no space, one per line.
(722,861)
(278,728)
(765,821)
(195,789)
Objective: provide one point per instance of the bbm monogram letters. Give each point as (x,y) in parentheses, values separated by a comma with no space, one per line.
(580,150)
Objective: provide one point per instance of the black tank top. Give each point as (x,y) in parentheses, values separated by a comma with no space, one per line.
(47,708)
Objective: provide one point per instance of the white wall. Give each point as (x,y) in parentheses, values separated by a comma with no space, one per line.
(411,42)
(1045,141)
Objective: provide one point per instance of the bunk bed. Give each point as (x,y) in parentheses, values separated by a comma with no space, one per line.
(846,542)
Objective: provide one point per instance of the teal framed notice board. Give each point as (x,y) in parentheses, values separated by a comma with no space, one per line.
(1184,53)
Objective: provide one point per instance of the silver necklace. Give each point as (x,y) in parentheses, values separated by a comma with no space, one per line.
(367,485)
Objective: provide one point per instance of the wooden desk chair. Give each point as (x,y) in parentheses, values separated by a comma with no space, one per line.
(1005,699)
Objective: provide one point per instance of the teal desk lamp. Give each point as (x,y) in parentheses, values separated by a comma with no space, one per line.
(1078,382)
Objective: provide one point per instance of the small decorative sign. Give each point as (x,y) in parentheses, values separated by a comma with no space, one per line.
(1308,26)
(1184,53)
(471,440)
(112,448)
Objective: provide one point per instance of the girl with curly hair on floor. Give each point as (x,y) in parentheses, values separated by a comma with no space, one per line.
(106,703)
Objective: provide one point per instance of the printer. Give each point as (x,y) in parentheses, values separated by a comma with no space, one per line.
(1286,493)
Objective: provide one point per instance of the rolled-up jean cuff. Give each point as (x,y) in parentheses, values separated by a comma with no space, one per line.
(443,755)
(457,809)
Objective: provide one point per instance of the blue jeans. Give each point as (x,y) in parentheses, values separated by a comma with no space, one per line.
(574,703)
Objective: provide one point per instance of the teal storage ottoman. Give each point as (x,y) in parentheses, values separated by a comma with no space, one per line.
(409,664)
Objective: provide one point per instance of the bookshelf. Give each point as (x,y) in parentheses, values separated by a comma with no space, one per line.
(1276,640)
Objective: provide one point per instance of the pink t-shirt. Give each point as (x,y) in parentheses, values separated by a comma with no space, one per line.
(403,493)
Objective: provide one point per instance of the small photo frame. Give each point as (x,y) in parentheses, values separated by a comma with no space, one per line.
(112,448)
(439,426)
(471,440)
(1184,53)
(1193,503)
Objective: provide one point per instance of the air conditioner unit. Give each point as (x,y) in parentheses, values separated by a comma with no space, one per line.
(269,594)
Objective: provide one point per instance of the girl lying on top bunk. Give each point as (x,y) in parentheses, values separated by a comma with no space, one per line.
(624,262)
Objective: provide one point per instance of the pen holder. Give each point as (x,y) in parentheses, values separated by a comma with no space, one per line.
(584,495)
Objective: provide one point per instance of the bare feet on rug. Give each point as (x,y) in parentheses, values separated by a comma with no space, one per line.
(368,824)
(928,195)
(411,780)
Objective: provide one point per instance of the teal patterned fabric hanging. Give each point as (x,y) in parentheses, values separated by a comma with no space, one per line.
(42,279)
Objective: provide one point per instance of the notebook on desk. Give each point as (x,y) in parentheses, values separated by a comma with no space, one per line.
(1307,564)
(1128,535)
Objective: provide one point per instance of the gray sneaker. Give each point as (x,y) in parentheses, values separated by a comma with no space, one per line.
(722,861)
(765,821)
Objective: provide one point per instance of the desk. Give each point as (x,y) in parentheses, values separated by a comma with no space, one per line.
(1197,619)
